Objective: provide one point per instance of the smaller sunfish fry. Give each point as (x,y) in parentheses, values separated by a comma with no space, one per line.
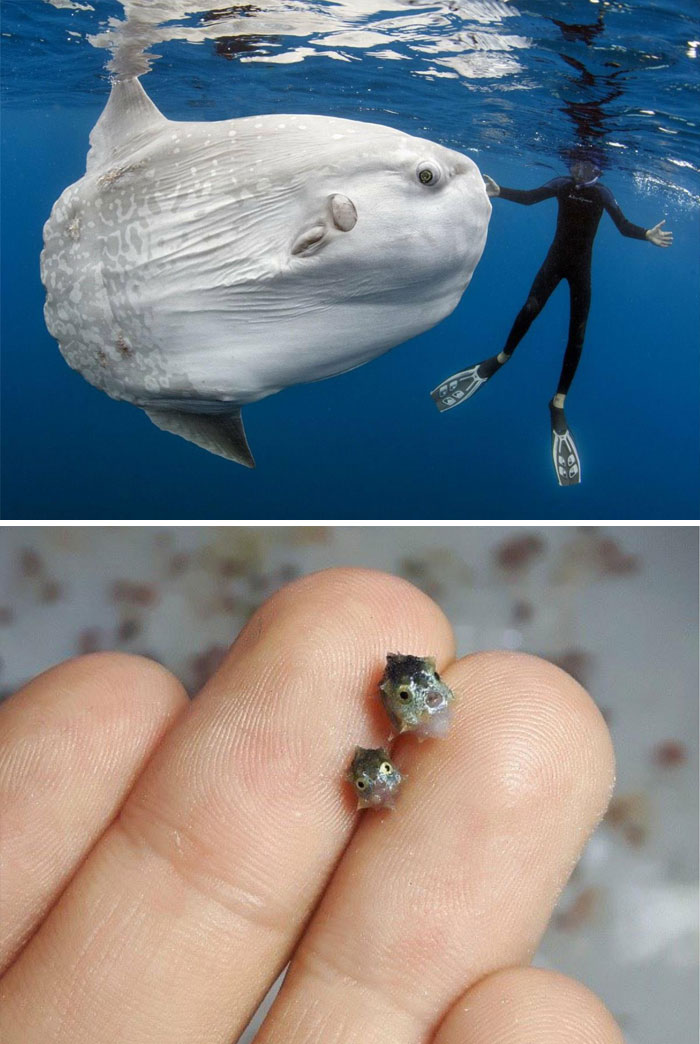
(375,778)
(414,696)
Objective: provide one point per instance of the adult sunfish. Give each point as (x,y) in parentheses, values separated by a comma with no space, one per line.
(197,267)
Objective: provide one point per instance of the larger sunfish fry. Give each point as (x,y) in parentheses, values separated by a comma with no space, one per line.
(198,267)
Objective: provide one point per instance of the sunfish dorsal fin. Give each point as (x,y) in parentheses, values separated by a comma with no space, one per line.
(128,121)
(220,433)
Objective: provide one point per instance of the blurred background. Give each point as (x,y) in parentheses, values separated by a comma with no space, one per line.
(616,607)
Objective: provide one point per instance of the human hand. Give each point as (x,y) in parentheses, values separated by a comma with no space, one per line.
(163,860)
(659,238)
(492,189)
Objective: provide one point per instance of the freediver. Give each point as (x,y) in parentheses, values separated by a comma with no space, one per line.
(581,203)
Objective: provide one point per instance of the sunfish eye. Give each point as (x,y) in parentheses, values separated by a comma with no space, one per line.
(428,173)
(360,784)
(404,694)
(385,768)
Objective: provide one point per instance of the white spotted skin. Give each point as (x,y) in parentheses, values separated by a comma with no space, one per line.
(168,266)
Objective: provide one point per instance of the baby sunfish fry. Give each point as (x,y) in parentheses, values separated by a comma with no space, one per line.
(375,778)
(414,696)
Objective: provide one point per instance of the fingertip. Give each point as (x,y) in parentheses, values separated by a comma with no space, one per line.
(548,733)
(95,690)
(521,1005)
(356,591)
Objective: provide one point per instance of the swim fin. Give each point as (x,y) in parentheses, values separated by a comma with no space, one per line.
(461,386)
(564,453)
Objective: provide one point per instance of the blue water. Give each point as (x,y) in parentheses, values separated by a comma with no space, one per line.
(532,80)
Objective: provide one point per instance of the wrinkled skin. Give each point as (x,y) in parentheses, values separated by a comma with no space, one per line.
(414,696)
(375,778)
(199,265)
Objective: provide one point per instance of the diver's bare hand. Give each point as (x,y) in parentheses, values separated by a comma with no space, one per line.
(163,859)
(492,189)
(659,238)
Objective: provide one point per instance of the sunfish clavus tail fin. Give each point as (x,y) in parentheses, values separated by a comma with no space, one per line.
(129,121)
(220,433)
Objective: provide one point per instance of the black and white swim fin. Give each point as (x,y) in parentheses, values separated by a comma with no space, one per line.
(565,458)
(461,386)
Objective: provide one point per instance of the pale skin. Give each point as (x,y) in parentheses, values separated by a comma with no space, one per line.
(654,235)
(163,859)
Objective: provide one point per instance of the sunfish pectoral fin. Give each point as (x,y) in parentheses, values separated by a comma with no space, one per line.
(311,239)
(220,433)
(128,121)
(338,214)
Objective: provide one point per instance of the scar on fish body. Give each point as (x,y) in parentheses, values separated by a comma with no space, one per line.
(414,696)
(375,778)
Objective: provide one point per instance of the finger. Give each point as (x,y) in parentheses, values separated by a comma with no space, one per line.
(71,745)
(190,905)
(461,879)
(522,1005)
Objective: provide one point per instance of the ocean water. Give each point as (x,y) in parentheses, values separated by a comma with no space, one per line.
(516,86)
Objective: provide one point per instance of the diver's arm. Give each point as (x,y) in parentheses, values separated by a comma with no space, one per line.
(526,196)
(625,227)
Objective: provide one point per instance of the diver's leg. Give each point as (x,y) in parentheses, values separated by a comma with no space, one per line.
(545,282)
(565,457)
(461,386)
(580,287)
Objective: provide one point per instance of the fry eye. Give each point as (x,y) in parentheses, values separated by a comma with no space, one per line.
(360,784)
(385,768)
(404,695)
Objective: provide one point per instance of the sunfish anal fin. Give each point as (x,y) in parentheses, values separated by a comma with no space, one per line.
(128,121)
(220,433)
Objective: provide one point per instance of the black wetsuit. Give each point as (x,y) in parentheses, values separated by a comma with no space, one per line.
(569,257)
